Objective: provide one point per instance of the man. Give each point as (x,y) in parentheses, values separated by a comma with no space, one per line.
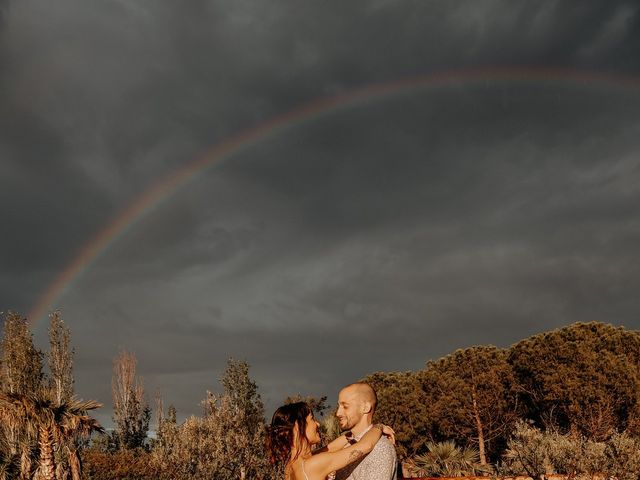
(356,406)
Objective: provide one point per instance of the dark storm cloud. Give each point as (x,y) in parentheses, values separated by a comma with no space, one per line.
(372,238)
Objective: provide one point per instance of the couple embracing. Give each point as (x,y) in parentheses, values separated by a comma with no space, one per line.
(364,452)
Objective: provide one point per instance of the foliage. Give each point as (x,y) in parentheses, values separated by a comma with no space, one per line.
(56,426)
(582,378)
(172,414)
(622,454)
(20,374)
(60,359)
(445,459)
(527,451)
(318,405)
(21,362)
(131,413)
(41,424)
(468,396)
(241,412)
(226,443)
(118,465)
(575,455)
(472,396)
(329,428)
(536,453)
(564,401)
(329,424)
(403,404)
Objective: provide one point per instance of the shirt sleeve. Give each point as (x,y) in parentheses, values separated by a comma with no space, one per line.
(381,464)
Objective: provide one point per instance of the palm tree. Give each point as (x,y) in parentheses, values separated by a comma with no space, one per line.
(8,463)
(446,459)
(19,435)
(75,425)
(57,425)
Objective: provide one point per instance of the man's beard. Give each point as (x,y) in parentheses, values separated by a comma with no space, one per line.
(346,425)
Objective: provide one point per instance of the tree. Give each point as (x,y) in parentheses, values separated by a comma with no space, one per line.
(56,425)
(60,359)
(41,424)
(172,414)
(583,379)
(403,404)
(445,459)
(19,436)
(131,413)
(227,443)
(21,361)
(472,395)
(318,405)
(242,412)
(20,374)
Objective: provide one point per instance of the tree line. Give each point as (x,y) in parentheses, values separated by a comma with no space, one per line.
(493,410)
(46,433)
(582,380)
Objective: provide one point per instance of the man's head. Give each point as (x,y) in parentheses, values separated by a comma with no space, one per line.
(356,404)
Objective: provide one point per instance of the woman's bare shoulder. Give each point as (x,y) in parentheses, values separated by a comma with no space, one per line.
(295,470)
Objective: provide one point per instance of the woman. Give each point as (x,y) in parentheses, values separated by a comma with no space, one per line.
(292,433)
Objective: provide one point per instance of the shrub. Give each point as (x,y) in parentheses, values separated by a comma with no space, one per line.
(535,453)
(448,460)
(117,465)
(527,452)
(622,455)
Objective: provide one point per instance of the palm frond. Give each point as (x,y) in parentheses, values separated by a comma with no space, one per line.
(447,459)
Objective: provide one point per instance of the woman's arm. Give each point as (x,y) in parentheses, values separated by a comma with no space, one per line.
(347,438)
(335,445)
(326,462)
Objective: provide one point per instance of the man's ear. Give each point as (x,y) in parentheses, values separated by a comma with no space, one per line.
(367,407)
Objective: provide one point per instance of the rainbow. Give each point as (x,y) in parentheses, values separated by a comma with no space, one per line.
(163,189)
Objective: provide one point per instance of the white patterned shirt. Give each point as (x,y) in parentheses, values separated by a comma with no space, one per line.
(380,464)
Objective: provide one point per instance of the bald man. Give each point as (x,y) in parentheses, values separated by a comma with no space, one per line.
(356,406)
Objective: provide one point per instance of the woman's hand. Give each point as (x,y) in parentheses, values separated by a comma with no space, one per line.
(388,432)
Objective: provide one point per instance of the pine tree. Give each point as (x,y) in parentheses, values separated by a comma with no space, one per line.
(472,395)
(583,378)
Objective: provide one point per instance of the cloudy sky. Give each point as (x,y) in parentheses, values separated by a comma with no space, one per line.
(376,236)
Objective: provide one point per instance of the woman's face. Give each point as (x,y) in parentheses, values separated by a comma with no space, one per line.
(312,433)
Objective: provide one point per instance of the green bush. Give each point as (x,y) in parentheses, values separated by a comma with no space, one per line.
(536,453)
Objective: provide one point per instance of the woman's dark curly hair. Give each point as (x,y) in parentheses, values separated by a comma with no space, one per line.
(279,440)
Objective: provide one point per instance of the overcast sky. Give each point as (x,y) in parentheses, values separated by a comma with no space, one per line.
(375,237)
